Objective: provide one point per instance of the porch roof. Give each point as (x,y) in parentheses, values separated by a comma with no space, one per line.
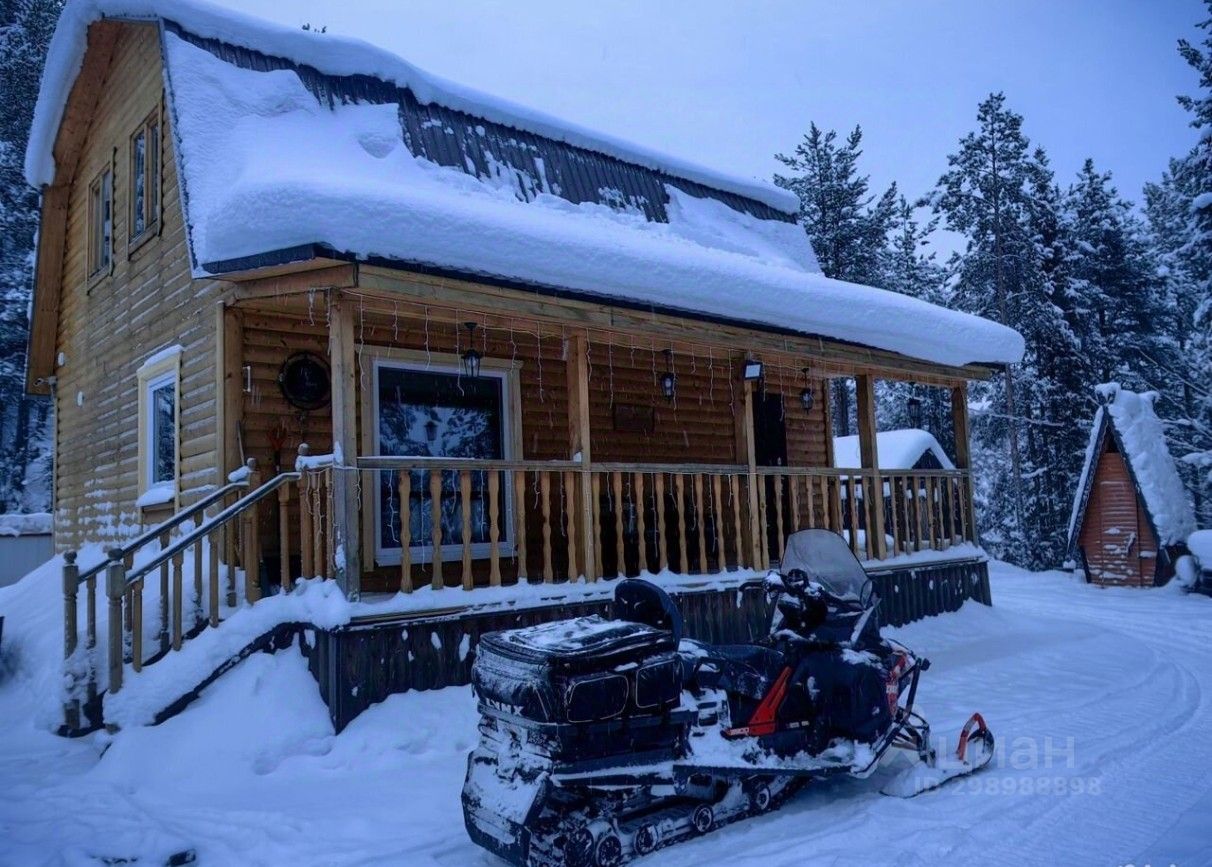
(268,165)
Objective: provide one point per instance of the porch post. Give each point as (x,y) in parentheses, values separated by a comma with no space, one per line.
(576,355)
(229,326)
(747,455)
(963,453)
(869,451)
(343,361)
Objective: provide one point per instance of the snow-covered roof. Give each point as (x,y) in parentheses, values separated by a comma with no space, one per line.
(266,166)
(897,449)
(1130,418)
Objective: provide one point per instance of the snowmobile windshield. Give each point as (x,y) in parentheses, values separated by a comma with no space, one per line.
(826,559)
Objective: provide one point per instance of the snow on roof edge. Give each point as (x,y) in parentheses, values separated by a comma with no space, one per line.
(335,55)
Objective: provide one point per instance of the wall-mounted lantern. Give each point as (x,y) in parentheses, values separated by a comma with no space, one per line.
(471,356)
(914,405)
(807,395)
(669,380)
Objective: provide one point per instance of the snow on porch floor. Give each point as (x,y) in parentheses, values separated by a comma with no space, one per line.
(1113,686)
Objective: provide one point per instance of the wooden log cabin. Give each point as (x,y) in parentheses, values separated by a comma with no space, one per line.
(1131,516)
(307,312)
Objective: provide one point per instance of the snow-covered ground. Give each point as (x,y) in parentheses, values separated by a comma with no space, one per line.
(1101,699)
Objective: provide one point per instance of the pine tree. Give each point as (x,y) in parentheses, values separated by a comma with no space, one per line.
(25,30)
(1179,210)
(1002,196)
(846,223)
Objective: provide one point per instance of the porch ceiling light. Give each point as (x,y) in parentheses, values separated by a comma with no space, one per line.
(669,380)
(807,396)
(471,356)
(753,370)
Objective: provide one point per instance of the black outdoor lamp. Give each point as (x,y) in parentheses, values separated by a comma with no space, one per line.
(807,396)
(914,403)
(669,381)
(471,357)
(431,430)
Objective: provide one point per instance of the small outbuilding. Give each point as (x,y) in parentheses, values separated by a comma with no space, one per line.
(1130,513)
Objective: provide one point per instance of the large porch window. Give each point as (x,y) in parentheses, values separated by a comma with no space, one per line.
(435,411)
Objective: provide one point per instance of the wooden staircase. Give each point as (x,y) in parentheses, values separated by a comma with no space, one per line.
(218,538)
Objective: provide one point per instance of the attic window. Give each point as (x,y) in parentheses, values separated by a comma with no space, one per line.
(101,223)
(145,178)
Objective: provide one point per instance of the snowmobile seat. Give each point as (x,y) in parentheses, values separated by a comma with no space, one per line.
(639,601)
(748,669)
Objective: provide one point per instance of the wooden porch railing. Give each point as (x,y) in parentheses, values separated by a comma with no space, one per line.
(506,521)
(214,546)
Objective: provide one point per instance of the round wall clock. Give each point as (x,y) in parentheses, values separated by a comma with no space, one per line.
(304,380)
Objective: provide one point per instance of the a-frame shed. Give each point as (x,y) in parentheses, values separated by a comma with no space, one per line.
(1130,514)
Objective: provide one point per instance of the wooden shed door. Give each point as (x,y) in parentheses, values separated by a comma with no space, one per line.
(1117,539)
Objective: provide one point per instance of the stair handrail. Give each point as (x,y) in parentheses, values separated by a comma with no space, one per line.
(159,530)
(207,527)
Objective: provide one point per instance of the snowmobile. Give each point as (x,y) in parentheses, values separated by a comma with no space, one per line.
(602,740)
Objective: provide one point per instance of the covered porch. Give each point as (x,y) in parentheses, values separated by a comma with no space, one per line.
(476,436)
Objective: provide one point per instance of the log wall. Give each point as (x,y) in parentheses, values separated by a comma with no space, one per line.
(105,330)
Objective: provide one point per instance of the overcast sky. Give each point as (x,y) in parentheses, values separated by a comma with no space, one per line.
(728,83)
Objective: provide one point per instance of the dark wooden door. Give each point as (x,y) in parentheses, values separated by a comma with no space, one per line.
(770,450)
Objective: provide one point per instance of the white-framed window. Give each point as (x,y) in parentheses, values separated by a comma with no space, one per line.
(430,409)
(101,223)
(159,430)
(144,193)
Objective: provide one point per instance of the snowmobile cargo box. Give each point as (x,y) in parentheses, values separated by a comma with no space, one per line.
(579,671)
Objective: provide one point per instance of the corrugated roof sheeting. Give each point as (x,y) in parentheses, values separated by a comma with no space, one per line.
(532,163)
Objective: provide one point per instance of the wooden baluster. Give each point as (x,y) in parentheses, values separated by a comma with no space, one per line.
(700,521)
(315,508)
(252,561)
(599,571)
(961,491)
(90,635)
(216,549)
(917,512)
(545,503)
(71,637)
(869,496)
(835,503)
(907,513)
(641,521)
(658,497)
(944,511)
(306,565)
(620,550)
(735,482)
(284,538)
(404,487)
(793,491)
(328,506)
(763,534)
(115,591)
(178,565)
(519,523)
(164,568)
(809,482)
(494,529)
(930,506)
(198,572)
(679,484)
(465,508)
(717,502)
(780,538)
(435,527)
(136,626)
(570,512)
(852,505)
(893,523)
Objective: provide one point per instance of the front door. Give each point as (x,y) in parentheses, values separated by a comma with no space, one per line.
(770,450)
